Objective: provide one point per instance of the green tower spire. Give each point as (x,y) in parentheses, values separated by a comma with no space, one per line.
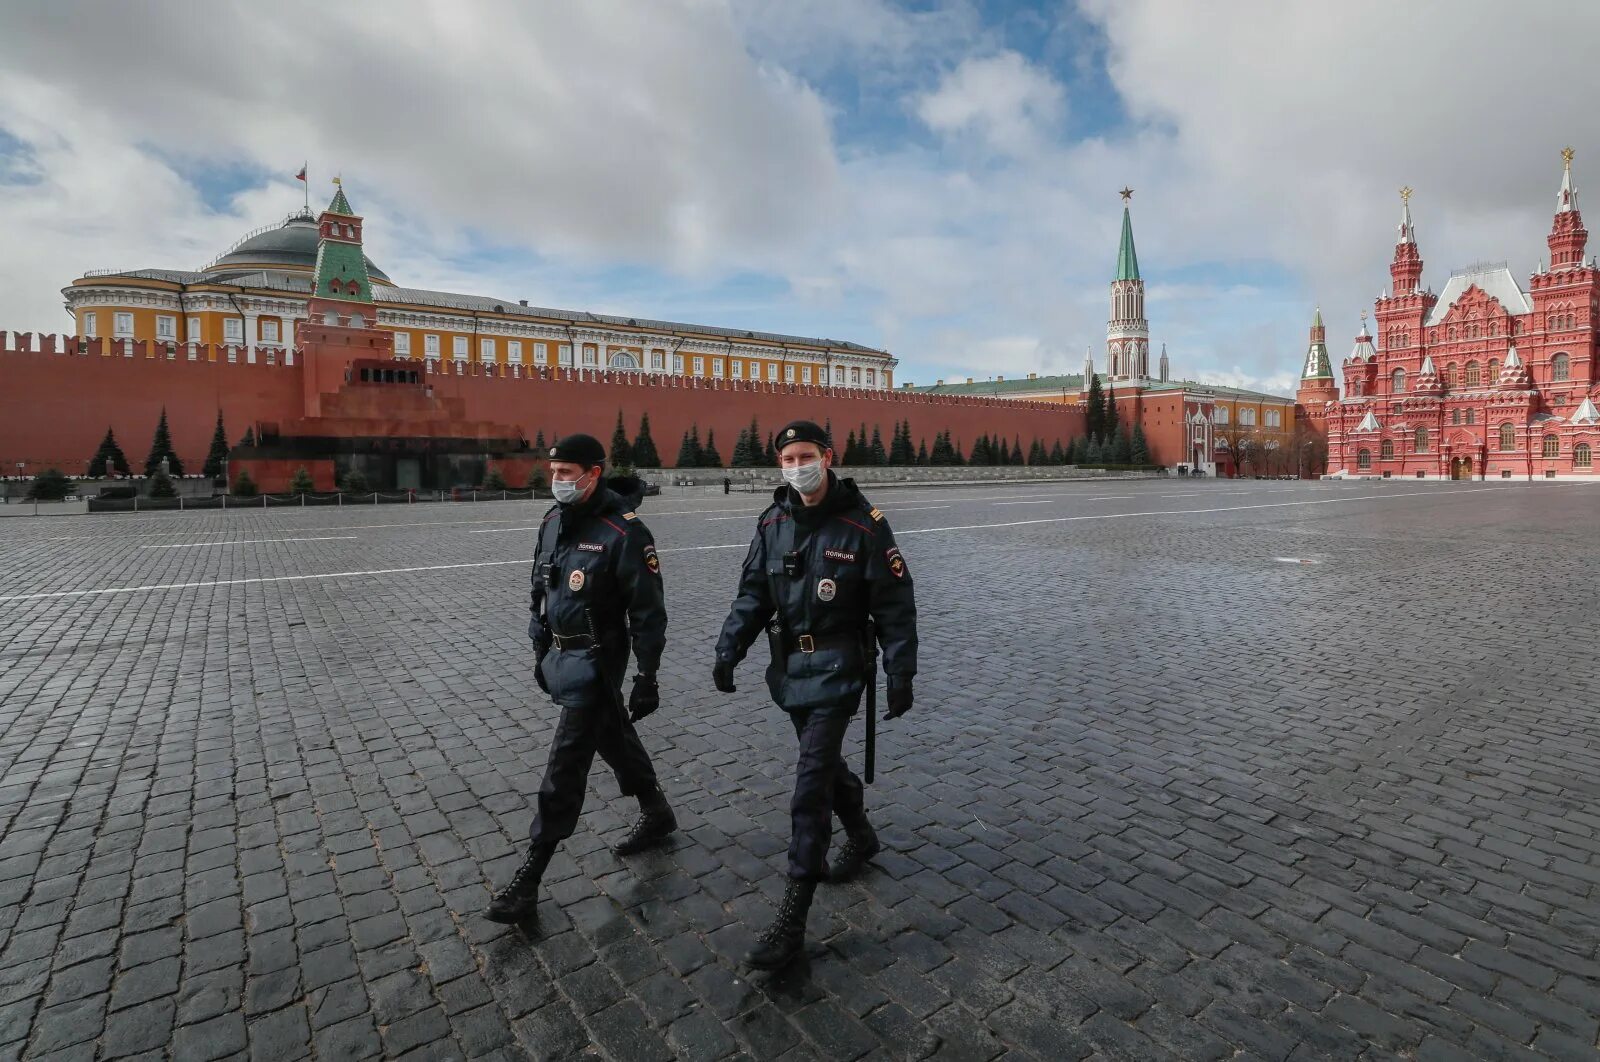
(341,265)
(1127,259)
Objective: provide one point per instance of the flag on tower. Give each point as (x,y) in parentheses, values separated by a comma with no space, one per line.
(302,174)
(338,181)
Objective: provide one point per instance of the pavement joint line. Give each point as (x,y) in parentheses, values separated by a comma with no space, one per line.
(732,545)
(251,542)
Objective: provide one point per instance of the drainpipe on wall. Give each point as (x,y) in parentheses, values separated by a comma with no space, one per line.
(242,322)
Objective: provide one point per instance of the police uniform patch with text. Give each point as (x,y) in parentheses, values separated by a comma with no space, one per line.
(826,589)
(897,563)
(840,555)
(591,547)
(575,580)
(652,561)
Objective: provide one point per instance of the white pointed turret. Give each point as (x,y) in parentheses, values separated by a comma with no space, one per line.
(1165,365)
(1408,232)
(1088,365)
(1369,423)
(1514,374)
(1587,413)
(1567,197)
(1427,365)
(1363,350)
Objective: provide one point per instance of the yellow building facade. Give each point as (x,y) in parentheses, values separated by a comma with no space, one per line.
(252,296)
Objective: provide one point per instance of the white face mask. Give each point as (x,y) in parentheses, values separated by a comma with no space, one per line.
(804,478)
(567,491)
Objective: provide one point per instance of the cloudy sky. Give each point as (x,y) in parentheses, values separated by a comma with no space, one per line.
(938,178)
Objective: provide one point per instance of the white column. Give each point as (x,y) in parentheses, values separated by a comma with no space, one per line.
(251,328)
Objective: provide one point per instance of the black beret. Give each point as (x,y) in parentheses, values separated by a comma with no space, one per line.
(801,431)
(579,449)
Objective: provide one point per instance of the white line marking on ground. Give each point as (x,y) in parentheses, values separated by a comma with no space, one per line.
(252,542)
(1045,501)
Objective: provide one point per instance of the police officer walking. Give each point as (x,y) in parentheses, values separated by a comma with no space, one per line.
(822,571)
(596,589)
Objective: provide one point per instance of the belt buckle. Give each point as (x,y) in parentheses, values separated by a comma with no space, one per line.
(808,644)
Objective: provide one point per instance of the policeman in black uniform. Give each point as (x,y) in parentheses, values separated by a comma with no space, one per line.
(596,587)
(822,563)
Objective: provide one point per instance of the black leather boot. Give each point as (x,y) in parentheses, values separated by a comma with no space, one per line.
(784,939)
(860,845)
(519,900)
(655,824)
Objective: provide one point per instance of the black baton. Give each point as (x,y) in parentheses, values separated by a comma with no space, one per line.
(872,702)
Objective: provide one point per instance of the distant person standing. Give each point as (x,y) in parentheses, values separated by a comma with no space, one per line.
(823,563)
(596,589)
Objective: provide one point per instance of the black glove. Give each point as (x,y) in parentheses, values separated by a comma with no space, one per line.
(645,698)
(722,675)
(899,698)
(539,652)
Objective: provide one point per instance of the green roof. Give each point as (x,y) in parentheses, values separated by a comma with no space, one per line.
(340,205)
(1127,259)
(1074,382)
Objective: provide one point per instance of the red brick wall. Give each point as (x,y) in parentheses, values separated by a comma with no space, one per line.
(55,407)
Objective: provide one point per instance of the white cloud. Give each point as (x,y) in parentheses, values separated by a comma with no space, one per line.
(1009,104)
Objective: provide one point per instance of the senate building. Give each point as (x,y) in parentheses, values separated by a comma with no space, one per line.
(1488,378)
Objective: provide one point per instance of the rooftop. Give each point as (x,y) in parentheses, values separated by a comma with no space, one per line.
(1073,382)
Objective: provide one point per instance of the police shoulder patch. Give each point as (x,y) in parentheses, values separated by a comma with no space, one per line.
(876,514)
(630,516)
(652,561)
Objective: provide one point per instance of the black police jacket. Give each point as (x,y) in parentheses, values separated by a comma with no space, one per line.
(812,578)
(597,585)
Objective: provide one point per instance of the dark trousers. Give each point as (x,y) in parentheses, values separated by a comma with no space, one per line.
(823,787)
(581,733)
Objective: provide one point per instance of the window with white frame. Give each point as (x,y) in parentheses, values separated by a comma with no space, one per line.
(402,344)
(124,324)
(233,330)
(194,330)
(1220,416)
(772,371)
(838,375)
(485,349)
(1247,417)
(738,369)
(872,378)
(514,351)
(855,377)
(564,352)
(269,332)
(716,367)
(166,327)
(1274,418)
(430,345)
(658,360)
(91,324)
(591,356)
(699,366)
(677,364)
(458,347)
(788,374)
(805,374)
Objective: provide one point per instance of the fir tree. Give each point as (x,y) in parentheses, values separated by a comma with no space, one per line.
(301,483)
(1108,426)
(709,458)
(161,485)
(249,438)
(1058,454)
(689,454)
(244,486)
(1037,454)
(1140,450)
(1017,456)
(644,447)
(939,456)
(218,454)
(1094,416)
(901,452)
(1092,456)
(52,485)
(621,449)
(354,481)
(922,454)
(876,455)
(956,457)
(108,459)
(772,452)
(1001,454)
(493,481)
(161,446)
(539,444)
(980,451)
(851,456)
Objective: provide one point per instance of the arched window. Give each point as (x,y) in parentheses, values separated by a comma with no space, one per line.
(1473,374)
(330,318)
(1552,446)
(1455,416)
(1422,440)
(1560,368)
(1449,375)
(1494,372)
(1399,378)
(1452,331)
(1386,449)
(1580,456)
(357,321)
(624,360)
(1472,416)
(1508,437)
(1364,458)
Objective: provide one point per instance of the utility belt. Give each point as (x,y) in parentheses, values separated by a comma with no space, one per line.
(787,645)
(589,639)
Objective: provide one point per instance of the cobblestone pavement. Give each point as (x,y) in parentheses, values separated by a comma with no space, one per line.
(1208,771)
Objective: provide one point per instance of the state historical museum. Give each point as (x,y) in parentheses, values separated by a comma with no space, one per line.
(1486,379)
